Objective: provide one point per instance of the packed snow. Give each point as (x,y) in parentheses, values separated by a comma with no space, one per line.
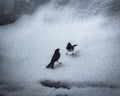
(28,45)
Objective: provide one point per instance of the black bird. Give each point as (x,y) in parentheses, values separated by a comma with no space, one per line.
(70,48)
(54,59)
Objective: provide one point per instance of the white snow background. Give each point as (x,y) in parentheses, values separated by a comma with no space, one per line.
(28,45)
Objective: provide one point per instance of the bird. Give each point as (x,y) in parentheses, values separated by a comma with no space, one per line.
(70,48)
(55,58)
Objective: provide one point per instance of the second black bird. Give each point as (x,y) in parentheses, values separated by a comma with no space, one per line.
(54,59)
(70,48)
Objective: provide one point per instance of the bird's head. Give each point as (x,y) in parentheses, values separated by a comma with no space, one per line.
(69,43)
(58,49)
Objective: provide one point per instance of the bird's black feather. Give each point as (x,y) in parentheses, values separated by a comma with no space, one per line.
(70,47)
(55,58)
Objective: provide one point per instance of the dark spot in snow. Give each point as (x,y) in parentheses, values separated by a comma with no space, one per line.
(95,85)
(61,95)
(68,85)
(54,84)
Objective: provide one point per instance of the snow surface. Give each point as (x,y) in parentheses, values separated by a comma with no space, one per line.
(28,44)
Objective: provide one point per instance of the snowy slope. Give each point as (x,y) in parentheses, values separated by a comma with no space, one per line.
(28,44)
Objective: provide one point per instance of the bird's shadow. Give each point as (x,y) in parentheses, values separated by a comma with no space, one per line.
(76,54)
(57,65)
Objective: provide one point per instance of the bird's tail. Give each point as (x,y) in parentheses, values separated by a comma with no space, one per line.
(75,45)
(50,65)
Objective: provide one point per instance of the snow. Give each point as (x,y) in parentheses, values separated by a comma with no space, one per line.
(28,44)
